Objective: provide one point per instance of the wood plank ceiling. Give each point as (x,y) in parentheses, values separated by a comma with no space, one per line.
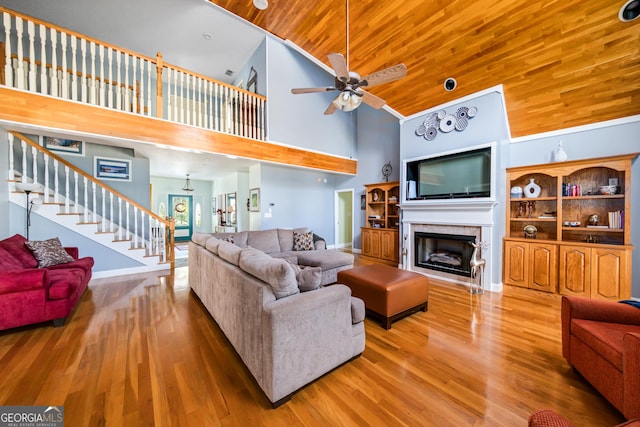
(562,63)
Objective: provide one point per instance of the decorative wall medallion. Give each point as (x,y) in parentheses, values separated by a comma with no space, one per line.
(441,120)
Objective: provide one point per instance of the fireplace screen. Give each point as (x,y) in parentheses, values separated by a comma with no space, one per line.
(450,253)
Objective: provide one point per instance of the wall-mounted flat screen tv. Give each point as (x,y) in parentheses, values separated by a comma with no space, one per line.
(464,174)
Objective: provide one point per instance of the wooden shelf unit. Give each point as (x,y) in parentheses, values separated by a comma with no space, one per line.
(570,259)
(380,235)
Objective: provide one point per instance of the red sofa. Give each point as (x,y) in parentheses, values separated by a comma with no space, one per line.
(601,340)
(29,294)
(550,418)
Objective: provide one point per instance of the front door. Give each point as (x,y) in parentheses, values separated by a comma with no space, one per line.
(181,211)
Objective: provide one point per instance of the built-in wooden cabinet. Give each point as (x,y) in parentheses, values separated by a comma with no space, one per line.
(565,250)
(531,265)
(380,235)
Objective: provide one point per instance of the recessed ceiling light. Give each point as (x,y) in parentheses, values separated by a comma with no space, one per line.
(261,4)
(629,11)
(207,36)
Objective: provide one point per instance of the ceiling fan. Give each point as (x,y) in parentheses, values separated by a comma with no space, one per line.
(351,85)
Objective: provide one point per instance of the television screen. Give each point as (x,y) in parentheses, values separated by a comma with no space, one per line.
(460,175)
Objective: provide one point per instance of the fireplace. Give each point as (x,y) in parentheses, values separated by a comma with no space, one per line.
(449,253)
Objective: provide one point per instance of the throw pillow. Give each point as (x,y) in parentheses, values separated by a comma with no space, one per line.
(302,241)
(49,252)
(308,278)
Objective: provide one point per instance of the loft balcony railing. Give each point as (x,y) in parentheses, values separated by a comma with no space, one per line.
(43,58)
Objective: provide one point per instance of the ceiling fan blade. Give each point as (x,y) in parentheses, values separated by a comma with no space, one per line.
(384,76)
(372,100)
(331,109)
(339,65)
(312,89)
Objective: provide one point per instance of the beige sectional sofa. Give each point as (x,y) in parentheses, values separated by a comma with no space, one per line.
(285,337)
(279,243)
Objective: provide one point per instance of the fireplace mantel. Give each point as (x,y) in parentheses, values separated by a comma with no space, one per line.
(450,204)
(448,215)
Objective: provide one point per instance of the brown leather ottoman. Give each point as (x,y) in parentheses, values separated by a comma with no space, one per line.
(388,293)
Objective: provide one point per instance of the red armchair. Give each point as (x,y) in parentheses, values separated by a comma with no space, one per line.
(29,294)
(601,340)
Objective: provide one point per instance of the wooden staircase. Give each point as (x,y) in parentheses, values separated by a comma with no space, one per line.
(87,206)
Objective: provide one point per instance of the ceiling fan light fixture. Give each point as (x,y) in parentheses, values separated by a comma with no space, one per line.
(261,4)
(629,11)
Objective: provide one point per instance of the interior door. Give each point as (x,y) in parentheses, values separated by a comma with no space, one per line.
(181,210)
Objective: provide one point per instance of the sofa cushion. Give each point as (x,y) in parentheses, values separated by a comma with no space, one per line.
(15,245)
(287,256)
(264,240)
(326,259)
(285,237)
(8,262)
(308,278)
(276,272)
(213,244)
(238,239)
(49,252)
(604,338)
(302,241)
(200,238)
(229,252)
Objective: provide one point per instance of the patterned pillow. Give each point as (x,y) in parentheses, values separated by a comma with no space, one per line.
(302,241)
(49,252)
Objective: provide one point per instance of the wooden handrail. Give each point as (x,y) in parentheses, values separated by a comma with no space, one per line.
(89,177)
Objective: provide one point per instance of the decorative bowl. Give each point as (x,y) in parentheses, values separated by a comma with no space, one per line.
(608,189)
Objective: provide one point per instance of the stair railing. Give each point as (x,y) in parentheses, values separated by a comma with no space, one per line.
(90,199)
(44,58)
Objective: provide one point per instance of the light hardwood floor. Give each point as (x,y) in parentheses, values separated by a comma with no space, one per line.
(142,351)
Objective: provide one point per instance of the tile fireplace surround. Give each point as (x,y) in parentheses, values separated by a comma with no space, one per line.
(467,217)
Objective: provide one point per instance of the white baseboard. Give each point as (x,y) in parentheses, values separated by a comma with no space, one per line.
(127,271)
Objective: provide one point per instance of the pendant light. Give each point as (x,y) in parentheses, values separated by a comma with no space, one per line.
(187,185)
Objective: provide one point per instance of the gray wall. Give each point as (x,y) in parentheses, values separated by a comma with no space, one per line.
(297,198)
(378,143)
(298,120)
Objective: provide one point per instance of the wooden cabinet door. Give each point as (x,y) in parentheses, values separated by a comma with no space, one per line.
(574,277)
(371,243)
(543,267)
(609,274)
(389,245)
(516,264)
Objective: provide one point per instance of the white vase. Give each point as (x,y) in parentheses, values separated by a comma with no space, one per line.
(532,190)
(559,155)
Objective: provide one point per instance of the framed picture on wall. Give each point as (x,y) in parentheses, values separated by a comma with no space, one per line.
(64,146)
(254,200)
(363,202)
(109,169)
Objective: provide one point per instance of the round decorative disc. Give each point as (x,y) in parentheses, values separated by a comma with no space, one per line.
(461,123)
(431,133)
(420,130)
(448,123)
(462,113)
(472,112)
